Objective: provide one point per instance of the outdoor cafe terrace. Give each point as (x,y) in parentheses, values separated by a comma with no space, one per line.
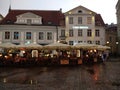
(51,54)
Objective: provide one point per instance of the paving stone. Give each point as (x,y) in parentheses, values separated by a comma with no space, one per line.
(84,77)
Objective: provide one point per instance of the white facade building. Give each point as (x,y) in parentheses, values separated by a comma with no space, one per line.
(27,26)
(84,25)
(43,27)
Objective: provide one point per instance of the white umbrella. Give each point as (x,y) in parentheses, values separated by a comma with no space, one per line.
(21,46)
(7,45)
(85,45)
(31,45)
(100,47)
(57,45)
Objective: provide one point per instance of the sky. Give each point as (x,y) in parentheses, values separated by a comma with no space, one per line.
(107,8)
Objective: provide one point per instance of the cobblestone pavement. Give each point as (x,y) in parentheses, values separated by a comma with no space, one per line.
(95,77)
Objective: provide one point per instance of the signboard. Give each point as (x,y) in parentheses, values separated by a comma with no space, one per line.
(80,27)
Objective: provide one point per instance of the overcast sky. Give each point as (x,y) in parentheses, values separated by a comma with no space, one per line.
(104,7)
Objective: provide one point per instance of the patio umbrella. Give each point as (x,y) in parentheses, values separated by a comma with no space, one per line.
(101,47)
(7,45)
(31,45)
(85,45)
(21,46)
(57,45)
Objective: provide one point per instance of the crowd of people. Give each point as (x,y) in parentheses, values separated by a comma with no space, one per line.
(52,57)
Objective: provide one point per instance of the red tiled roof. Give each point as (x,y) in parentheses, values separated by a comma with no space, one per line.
(98,20)
(56,17)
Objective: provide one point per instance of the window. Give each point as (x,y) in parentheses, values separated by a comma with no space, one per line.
(7,35)
(110,39)
(49,35)
(80,11)
(97,33)
(21,20)
(89,20)
(70,20)
(62,32)
(37,21)
(71,32)
(89,32)
(29,21)
(16,35)
(79,20)
(90,42)
(70,42)
(98,42)
(41,35)
(79,32)
(80,41)
(28,35)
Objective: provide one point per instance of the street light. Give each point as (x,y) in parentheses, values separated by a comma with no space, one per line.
(117,46)
(108,42)
(117,43)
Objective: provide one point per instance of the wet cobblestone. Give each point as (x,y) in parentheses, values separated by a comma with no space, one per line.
(85,77)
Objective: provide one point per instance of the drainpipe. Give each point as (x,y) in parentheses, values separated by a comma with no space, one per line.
(57,32)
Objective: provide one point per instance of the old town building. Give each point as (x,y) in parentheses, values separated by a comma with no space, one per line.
(32,26)
(47,26)
(118,23)
(84,25)
(111,38)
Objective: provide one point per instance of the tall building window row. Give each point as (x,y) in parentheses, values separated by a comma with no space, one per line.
(28,35)
(80,32)
(80,20)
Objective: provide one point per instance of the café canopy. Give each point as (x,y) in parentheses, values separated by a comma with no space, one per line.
(57,45)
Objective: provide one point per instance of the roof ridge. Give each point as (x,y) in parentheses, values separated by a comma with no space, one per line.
(31,10)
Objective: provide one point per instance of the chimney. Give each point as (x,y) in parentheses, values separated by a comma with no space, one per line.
(60,9)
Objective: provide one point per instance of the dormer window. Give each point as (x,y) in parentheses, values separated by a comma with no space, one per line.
(29,21)
(80,11)
(9,22)
(49,23)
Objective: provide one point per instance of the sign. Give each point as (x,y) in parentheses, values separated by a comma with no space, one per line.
(80,27)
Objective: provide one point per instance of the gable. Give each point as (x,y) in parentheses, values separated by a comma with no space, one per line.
(80,10)
(28,18)
(28,15)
